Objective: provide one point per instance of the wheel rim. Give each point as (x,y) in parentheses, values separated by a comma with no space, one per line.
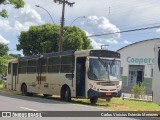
(66,95)
(24,90)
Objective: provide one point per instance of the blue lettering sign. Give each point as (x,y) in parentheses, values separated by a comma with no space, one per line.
(140,60)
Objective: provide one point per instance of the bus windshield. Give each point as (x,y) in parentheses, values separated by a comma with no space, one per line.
(104,69)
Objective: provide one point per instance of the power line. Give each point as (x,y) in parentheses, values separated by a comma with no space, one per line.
(125,31)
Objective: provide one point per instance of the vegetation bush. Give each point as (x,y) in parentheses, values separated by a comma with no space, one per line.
(1,82)
(138,90)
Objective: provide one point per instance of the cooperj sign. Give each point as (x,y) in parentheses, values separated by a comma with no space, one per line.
(140,60)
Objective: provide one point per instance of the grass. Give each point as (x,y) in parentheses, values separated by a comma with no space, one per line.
(1,86)
(116,104)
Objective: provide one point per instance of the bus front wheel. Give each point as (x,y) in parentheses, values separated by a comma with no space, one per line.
(93,100)
(24,90)
(66,95)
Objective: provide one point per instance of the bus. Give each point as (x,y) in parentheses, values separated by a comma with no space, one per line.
(156,75)
(70,74)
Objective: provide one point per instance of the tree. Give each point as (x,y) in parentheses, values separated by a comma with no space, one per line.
(3,49)
(17,4)
(75,38)
(3,64)
(3,58)
(15,55)
(43,39)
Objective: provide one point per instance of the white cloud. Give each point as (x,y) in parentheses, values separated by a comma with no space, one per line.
(101,25)
(20,19)
(158,30)
(27,14)
(5,25)
(94,44)
(127,42)
(3,40)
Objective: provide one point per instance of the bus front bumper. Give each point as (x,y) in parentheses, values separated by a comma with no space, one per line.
(92,93)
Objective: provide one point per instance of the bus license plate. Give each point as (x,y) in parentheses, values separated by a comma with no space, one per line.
(108,93)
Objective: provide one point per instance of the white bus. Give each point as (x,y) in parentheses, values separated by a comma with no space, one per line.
(156,75)
(89,74)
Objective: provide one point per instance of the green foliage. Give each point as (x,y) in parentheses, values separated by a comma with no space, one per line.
(138,90)
(4,58)
(43,39)
(3,64)
(2,1)
(15,55)
(4,13)
(1,81)
(17,4)
(3,49)
(75,38)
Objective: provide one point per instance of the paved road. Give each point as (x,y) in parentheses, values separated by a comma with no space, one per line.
(23,103)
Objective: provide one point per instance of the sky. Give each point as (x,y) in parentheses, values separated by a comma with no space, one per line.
(101,17)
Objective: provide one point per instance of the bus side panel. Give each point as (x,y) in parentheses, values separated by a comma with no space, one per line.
(30,81)
(9,81)
(57,81)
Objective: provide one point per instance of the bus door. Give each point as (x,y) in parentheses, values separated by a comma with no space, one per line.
(41,78)
(80,76)
(14,76)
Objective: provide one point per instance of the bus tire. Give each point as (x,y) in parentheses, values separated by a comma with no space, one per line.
(30,94)
(66,94)
(24,90)
(93,100)
(46,95)
(108,99)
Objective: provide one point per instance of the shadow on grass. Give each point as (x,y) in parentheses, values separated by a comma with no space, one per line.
(15,94)
(77,101)
(88,103)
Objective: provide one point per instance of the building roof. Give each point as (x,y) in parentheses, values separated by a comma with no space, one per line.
(137,43)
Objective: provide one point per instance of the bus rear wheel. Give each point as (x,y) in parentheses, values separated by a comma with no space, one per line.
(46,95)
(66,95)
(93,100)
(24,90)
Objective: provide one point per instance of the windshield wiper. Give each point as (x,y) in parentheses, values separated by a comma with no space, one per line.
(106,66)
(102,62)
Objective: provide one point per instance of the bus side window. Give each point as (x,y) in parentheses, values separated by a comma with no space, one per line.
(67,64)
(54,65)
(31,67)
(22,67)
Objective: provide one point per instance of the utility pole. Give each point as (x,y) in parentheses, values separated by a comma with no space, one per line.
(63,2)
(103,45)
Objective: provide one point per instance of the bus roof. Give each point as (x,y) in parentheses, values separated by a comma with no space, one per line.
(90,52)
(98,53)
(29,57)
(69,52)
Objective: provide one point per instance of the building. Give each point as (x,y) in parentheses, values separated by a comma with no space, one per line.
(137,62)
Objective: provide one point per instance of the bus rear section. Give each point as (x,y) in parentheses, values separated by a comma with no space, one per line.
(156,75)
(12,75)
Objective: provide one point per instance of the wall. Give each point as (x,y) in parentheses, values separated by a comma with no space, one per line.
(141,53)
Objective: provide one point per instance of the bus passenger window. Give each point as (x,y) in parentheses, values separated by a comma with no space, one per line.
(54,65)
(22,67)
(31,67)
(67,64)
